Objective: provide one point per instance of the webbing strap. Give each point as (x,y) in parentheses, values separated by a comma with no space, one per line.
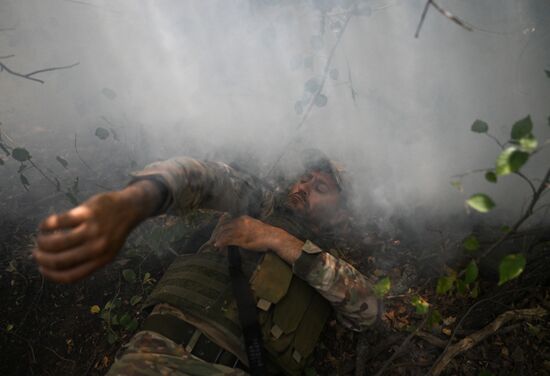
(248,316)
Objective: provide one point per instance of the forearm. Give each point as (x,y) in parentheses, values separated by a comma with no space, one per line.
(348,290)
(142,199)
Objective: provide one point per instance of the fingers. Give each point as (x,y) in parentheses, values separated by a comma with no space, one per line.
(67,259)
(75,274)
(59,241)
(68,219)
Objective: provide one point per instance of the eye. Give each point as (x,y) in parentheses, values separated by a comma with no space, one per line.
(322,188)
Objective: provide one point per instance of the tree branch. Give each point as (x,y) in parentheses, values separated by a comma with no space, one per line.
(28,76)
(543,185)
(444,12)
(473,339)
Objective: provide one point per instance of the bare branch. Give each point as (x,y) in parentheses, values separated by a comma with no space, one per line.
(444,12)
(28,76)
(403,345)
(473,339)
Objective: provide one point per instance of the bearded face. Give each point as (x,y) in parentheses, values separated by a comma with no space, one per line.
(315,197)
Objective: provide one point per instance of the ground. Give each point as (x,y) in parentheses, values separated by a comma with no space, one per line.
(50,329)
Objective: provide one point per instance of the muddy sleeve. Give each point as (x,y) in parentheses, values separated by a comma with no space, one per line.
(350,293)
(193,184)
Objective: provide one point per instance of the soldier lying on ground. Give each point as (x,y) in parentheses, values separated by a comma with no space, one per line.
(296,273)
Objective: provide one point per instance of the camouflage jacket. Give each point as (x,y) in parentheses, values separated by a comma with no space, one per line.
(194,184)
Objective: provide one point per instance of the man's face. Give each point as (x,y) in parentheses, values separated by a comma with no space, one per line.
(315,197)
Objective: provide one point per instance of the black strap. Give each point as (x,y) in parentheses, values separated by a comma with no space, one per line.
(248,316)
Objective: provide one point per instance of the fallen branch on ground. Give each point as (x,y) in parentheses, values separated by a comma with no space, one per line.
(473,339)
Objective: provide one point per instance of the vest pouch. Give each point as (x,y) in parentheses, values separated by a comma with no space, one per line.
(288,313)
(271,278)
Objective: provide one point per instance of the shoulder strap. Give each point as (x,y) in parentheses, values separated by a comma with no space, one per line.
(248,316)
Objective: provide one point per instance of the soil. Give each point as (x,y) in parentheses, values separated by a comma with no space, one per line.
(51,329)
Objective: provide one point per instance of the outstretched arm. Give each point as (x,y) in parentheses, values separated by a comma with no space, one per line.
(73,244)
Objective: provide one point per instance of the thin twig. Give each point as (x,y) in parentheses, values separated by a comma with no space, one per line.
(28,76)
(533,189)
(402,346)
(319,89)
(444,12)
(527,214)
(7,56)
(79,157)
(424,12)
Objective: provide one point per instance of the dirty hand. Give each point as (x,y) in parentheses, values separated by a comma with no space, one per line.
(247,233)
(73,244)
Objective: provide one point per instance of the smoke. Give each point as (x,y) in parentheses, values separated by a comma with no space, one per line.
(221,79)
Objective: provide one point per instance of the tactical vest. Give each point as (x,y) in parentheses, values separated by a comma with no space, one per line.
(291,313)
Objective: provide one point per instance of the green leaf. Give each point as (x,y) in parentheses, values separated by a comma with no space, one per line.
(547,73)
(62,161)
(458,185)
(491,177)
(20,154)
(382,287)
(146,277)
(511,266)
(102,133)
(471,272)
(310,371)
(333,73)
(461,286)
(510,160)
(435,318)
(521,128)
(131,326)
(420,305)
(135,300)
(471,243)
(312,85)
(125,319)
(479,126)
(475,291)
(528,143)
(481,202)
(24,181)
(445,284)
(129,275)
(321,100)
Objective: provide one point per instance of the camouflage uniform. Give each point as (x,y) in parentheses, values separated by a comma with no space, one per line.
(196,184)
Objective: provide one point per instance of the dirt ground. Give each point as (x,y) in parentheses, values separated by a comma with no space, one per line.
(50,329)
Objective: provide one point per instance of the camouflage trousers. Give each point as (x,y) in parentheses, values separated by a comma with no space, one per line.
(149,353)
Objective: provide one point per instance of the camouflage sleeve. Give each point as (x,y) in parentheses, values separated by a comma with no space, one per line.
(348,291)
(196,184)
